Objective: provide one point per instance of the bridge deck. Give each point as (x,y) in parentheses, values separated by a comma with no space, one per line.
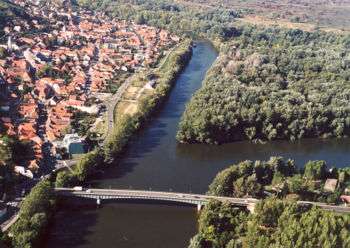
(151,195)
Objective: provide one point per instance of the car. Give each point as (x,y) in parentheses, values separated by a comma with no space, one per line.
(181,195)
(88,191)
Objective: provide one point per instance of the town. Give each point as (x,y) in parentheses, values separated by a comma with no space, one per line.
(54,86)
(167,123)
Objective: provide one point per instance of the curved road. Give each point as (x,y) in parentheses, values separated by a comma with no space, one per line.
(115,99)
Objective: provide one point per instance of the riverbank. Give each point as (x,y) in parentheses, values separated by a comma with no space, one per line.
(139,101)
(123,129)
(245,97)
(35,214)
(146,162)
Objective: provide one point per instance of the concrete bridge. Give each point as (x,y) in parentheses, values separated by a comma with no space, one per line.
(195,199)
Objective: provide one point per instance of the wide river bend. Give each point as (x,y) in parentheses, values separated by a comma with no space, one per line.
(154,161)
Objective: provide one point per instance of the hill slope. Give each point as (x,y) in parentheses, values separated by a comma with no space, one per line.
(9,12)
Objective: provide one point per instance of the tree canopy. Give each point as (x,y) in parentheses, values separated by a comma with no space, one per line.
(272,83)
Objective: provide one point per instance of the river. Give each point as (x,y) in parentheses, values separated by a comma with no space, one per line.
(154,161)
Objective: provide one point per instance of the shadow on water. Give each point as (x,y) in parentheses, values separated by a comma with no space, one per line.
(162,126)
(143,202)
(124,164)
(67,233)
(122,223)
(333,151)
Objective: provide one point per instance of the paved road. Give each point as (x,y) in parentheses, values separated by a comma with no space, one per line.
(157,195)
(14,217)
(115,99)
(189,197)
(66,163)
(17,203)
(336,208)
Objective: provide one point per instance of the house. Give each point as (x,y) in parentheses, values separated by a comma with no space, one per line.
(73,144)
(149,76)
(151,85)
(330,185)
(34,165)
(5,106)
(24,171)
(19,45)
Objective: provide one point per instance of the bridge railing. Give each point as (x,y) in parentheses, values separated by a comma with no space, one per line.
(157,195)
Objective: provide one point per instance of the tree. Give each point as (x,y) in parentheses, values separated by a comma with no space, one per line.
(37,209)
(3,53)
(267,212)
(315,169)
(62,179)
(140,19)
(195,242)
(298,185)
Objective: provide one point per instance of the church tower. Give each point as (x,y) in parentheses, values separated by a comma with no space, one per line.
(9,45)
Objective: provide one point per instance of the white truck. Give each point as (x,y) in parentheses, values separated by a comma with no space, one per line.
(78,188)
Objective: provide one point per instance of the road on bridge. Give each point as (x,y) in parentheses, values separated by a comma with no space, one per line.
(182,197)
(155,195)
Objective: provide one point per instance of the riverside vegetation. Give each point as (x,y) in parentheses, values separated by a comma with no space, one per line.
(34,216)
(273,83)
(39,205)
(268,82)
(129,124)
(274,223)
(220,26)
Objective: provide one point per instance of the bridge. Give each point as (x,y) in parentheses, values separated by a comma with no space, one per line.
(195,199)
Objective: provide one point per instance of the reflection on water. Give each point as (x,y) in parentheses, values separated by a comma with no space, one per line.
(334,151)
(79,223)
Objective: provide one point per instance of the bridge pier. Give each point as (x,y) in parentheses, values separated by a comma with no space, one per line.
(199,207)
(98,201)
(251,207)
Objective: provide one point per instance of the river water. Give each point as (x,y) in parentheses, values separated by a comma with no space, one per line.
(154,161)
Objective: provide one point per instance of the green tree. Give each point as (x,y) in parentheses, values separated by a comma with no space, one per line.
(36,210)
(267,212)
(140,19)
(315,169)
(3,53)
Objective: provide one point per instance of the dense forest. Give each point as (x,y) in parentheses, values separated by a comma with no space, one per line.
(213,23)
(269,82)
(277,221)
(284,178)
(273,83)
(273,224)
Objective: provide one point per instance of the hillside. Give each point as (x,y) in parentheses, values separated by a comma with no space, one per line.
(9,12)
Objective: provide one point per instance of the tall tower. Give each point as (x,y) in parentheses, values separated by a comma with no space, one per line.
(9,45)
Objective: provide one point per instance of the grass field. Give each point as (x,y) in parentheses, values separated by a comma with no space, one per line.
(287,24)
(163,64)
(131,93)
(329,15)
(124,108)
